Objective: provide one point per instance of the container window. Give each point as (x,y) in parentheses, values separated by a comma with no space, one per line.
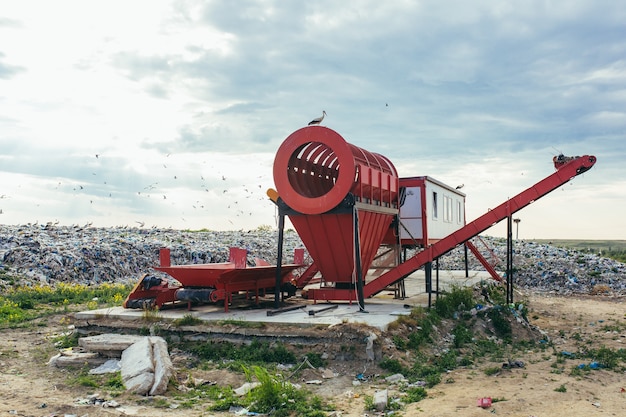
(447,209)
(435,214)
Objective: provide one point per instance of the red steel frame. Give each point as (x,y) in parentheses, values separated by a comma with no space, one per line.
(566,170)
(316,172)
(225,278)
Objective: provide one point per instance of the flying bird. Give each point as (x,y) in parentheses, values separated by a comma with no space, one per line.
(318,120)
(458,187)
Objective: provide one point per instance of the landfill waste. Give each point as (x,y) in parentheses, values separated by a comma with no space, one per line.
(545,268)
(47,254)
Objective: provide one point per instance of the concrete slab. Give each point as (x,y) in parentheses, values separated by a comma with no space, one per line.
(381,310)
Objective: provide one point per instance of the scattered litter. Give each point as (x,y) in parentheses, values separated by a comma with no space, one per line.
(590,365)
(513,364)
(246,388)
(314,382)
(484,402)
(96,400)
(395,378)
(240,411)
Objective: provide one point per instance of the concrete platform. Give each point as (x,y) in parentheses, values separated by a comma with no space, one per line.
(381,310)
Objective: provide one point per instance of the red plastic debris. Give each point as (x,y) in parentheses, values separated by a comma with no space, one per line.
(484,402)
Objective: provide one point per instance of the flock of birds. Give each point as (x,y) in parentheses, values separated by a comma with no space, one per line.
(236,191)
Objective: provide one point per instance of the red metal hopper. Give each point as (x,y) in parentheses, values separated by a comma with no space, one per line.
(340,198)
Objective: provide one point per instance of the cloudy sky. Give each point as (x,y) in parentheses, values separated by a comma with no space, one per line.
(170,112)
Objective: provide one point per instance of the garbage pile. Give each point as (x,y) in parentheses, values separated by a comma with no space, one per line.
(49,254)
(546,268)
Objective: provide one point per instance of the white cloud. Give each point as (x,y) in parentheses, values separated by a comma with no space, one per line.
(476,93)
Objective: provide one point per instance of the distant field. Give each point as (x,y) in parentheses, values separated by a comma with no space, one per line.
(615,249)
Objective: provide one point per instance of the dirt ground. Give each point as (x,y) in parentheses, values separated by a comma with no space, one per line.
(28,387)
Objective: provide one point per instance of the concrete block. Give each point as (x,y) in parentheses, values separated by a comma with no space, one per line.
(140,384)
(110,345)
(380,399)
(163,367)
(137,359)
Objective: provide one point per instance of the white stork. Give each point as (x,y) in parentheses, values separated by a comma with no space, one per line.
(318,120)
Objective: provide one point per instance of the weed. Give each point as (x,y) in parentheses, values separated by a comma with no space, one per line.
(223,398)
(497,294)
(66,340)
(432,379)
(85,380)
(562,388)
(255,352)
(488,348)
(501,324)
(115,382)
(160,402)
(447,361)
(242,323)
(429,373)
(400,343)
(281,398)
(393,365)
(579,371)
(492,370)
(457,299)
(151,315)
(462,335)
(607,357)
(315,359)
(414,395)
(424,321)
(187,320)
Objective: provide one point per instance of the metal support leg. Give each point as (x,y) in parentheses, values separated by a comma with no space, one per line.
(428,274)
(437,279)
(357,256)
(509,260)
(466,262)
(279,259)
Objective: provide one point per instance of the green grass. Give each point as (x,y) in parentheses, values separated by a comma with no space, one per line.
(492,370)
(111,383)
(256,352)
(187,320)
(280,398)
(19,306)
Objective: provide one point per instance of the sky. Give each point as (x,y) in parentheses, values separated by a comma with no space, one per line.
(169,113)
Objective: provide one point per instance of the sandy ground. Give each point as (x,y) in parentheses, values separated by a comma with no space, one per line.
(30,388)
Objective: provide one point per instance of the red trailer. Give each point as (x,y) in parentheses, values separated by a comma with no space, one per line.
(212,282)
